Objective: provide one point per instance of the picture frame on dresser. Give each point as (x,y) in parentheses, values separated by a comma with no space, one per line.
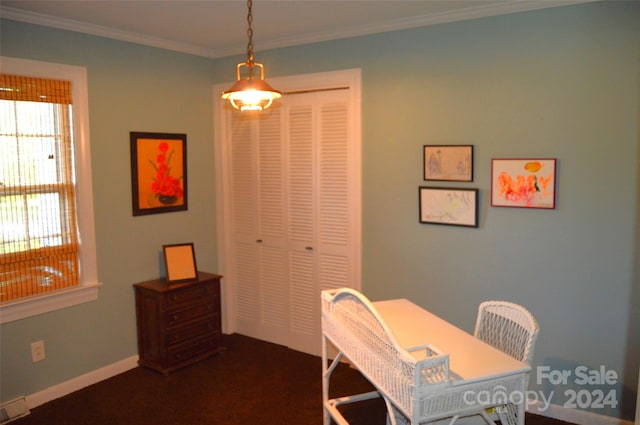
(180,262)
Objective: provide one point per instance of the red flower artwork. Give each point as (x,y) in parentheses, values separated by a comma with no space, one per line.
(165,186)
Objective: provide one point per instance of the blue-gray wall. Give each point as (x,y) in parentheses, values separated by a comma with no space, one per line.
(562,83)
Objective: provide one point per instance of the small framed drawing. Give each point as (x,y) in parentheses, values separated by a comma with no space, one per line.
(158,172)
(523,183)
(448,163)
(450,206)
(180,262)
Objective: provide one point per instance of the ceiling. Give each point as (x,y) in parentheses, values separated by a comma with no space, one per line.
(218,28)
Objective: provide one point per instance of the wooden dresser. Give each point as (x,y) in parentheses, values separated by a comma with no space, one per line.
(178,324)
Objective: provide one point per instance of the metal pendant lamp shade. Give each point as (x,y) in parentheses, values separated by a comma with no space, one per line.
(251,93)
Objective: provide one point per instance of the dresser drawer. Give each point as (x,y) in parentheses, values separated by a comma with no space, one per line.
(196,348)
(194,312)
(188,296)
(204,326)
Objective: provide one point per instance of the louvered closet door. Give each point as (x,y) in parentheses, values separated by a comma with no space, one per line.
(258,226)
(318,202)
(290,204)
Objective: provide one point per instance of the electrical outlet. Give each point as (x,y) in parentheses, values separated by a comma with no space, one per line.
(37,351)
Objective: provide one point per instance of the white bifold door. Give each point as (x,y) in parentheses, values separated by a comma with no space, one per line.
(291,214)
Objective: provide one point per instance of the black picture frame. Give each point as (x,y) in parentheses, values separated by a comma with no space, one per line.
(448,163)
(158,172)
(449,206)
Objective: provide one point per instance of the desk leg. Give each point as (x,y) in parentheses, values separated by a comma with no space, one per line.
(520,407)
(327,370)
(325,383)
(521,413)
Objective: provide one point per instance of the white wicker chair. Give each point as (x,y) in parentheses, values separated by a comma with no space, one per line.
(511,329)
(508,327)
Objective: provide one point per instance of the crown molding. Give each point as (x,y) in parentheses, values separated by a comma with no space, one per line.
(107,32)
(474,12)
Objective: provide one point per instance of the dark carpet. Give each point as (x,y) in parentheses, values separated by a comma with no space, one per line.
(251,382)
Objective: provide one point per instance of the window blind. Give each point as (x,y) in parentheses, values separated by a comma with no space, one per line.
(39,240)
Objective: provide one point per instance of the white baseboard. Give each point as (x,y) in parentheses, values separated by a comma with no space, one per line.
(82,381)
(576,416)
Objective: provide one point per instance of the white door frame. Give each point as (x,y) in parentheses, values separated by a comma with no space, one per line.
(350,78)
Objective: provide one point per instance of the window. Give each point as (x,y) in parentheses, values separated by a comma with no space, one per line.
(47,246)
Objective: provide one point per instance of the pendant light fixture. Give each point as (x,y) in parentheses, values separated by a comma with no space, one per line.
(251,93)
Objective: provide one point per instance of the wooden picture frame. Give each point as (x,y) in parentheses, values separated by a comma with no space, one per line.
(448,163)
(180,263)
(523,182)
(158,172)
(449,206)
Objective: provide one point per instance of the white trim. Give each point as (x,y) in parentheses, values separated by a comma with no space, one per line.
(473,12)
(101,31)
(576,416)
(88,288)
(51,301)
(223,209)
(82,381)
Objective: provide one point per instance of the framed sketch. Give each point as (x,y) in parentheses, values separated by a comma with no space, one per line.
(450,206)
(448,163)
(158,172)
(523,183)
(180,262)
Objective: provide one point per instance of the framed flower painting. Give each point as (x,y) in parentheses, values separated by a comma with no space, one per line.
(158,172)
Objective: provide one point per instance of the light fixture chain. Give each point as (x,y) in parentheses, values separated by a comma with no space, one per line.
(251,93)
(250,32)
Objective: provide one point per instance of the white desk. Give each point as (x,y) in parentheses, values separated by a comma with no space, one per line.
(469,358)
(477,370)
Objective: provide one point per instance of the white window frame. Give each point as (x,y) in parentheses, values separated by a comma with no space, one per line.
(88,288)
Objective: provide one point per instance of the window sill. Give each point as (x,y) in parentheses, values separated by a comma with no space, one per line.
(21,309)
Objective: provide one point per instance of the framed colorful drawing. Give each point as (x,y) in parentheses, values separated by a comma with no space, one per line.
(523,183)
(158,172)
(448,162)
(450,206)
